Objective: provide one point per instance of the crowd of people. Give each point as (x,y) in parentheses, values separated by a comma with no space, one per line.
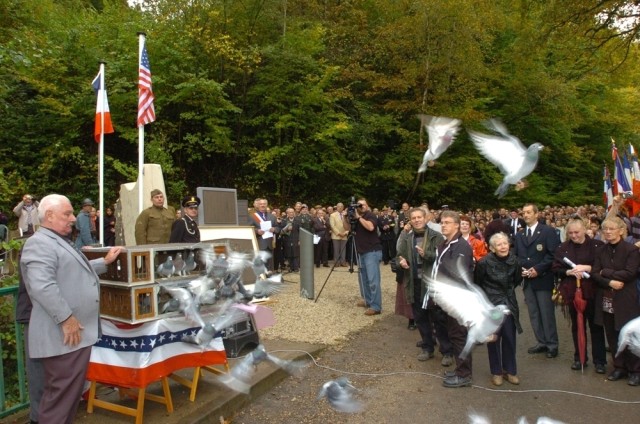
(542,250)
(586,252)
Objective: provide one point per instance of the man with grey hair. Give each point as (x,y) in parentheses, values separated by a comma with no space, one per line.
(265,226)
(63,286)
(454,258)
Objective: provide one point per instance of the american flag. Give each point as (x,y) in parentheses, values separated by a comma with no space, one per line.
(146,112)
(134,356)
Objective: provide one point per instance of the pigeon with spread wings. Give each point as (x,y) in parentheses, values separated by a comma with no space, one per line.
(468,304)
(507,152)
(442,132)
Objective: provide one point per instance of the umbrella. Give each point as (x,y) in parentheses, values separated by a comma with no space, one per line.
(580,304)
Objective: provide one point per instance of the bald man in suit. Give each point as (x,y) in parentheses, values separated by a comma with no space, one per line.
(63,286)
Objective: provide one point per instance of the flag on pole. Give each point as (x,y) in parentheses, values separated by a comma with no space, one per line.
(621,183)
(607,191)
(628,170)
(146,112)
(103,123)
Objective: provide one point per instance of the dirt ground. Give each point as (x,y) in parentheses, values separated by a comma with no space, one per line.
(380,361)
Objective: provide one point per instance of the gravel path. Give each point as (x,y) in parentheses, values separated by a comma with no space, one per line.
(378,355)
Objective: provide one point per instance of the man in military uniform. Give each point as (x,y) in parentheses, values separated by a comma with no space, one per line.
(185,229)
(153,225)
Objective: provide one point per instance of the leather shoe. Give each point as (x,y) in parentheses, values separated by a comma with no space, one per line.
(496,380)
(537,349)
(634,380)
(617,374)
(370,312)
(513,379)
(576,366)
(361,303)
(601,369)
(456,381)
(552,353)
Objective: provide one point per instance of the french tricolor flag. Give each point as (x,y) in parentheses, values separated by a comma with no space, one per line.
(103,116)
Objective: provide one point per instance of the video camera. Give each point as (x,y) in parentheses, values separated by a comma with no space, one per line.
(351,211)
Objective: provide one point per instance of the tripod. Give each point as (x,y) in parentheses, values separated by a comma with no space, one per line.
(353,256)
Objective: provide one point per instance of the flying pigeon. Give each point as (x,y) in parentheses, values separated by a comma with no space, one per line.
(239,377)
(224,318)
(469,305)
(339,394)
(630,337)
(442,132)
(178,264)
(182,300)
(166,269)
(260,262)
(267,287)
(507,152)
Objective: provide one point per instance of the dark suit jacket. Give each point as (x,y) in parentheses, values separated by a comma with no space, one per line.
(537,253)
(264,244)
(521,225)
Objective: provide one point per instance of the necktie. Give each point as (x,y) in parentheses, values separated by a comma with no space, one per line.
(528,233)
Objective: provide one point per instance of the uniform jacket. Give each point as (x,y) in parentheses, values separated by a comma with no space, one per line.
(153,225)
(538,252)
(60,282)
(185,230)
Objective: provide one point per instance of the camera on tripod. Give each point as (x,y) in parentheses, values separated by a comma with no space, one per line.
(351,211)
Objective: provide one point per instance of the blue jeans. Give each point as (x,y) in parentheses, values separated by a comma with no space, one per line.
(369,279)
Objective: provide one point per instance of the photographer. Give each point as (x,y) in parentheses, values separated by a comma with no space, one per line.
(364,225)
(27,213)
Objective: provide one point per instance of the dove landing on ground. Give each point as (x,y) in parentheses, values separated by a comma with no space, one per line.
(507,152)
(239,378)
(630,337)
(442,132)
(339,394)
(468,304)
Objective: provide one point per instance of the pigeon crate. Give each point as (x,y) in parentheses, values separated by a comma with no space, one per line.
(156,262)
(137,303)
(131,304)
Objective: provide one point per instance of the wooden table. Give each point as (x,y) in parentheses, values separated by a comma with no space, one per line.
(130,357)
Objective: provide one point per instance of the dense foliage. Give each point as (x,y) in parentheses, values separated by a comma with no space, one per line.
(315,99)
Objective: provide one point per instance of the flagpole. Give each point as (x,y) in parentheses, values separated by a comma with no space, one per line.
(141,40)
(101,156)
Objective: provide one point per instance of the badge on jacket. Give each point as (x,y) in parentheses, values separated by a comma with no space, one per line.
(539,247)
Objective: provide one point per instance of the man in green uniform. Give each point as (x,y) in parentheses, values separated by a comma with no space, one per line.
(153,225)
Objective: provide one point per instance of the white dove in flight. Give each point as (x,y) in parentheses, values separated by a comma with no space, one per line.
(469,305)
(442,132)
(507,152)
(630,337)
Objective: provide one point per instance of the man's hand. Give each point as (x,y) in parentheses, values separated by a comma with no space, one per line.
(71,329)
(113,254)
